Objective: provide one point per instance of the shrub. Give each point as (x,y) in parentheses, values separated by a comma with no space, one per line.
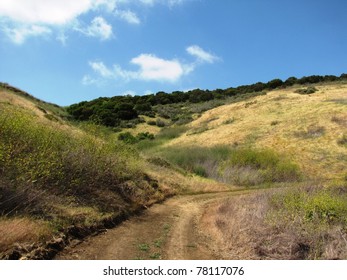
(274,123)
(343,140)
(317,205)
(160,123)
(308,90)
(171,132)
(144,135)
(313,131)
(233,165)
(127,137)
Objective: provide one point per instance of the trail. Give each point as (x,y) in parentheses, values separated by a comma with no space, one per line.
(169,230)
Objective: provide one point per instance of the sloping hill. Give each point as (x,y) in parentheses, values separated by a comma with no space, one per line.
(59,182)
(309,128)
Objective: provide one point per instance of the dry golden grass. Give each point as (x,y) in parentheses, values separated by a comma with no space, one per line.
(285,122)
(248,227)
(17,230)
(16,100)
(234,225)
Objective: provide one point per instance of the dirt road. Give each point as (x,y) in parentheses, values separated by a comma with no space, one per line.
(169,230)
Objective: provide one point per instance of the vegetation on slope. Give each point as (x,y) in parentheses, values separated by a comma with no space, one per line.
(177,106)
(53,176)
(234,166)
(296,223)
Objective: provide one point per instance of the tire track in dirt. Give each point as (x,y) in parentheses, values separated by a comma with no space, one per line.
(165,231)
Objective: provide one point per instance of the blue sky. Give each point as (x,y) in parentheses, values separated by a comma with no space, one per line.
(65,51)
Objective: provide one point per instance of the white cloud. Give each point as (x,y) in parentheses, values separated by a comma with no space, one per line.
(128,16)
(98,28)
(36,17)
(109,5)
(201,55)
(19,34)
(87,80)
(62,38)
(100,68)
(147,2)
(20,19)
(153,68)
(43,11)
(170,3)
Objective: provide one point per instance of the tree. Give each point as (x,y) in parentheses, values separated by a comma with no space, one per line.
(275,83)
(290,81)
(125,111)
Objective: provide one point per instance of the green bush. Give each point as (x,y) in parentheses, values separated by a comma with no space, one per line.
(308,90)
(127,137)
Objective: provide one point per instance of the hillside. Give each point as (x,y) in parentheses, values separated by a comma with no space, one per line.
(309,128)
(273,160)
(59,181)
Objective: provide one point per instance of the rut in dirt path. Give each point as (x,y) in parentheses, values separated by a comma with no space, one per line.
(165,231)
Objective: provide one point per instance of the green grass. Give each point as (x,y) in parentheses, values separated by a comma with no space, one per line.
(314,218)
(144,247)
(244,166)
(315,205)
(166,134)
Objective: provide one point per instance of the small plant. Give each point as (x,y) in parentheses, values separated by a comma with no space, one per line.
(343,140)
(339,120)
(127,137)
(247,104)
(144,135)
(274,123)
(199,130)
(158,243)
(313,131)
(200,171)
(160,123)
(229,121)
(144,247)
(155,256)
(308,90)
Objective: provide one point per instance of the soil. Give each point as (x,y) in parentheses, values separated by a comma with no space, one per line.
(171,230)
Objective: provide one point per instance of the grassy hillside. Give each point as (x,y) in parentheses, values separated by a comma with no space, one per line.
(60,180)
(310,129)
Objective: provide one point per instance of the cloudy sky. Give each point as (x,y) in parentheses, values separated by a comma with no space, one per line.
(66,51)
